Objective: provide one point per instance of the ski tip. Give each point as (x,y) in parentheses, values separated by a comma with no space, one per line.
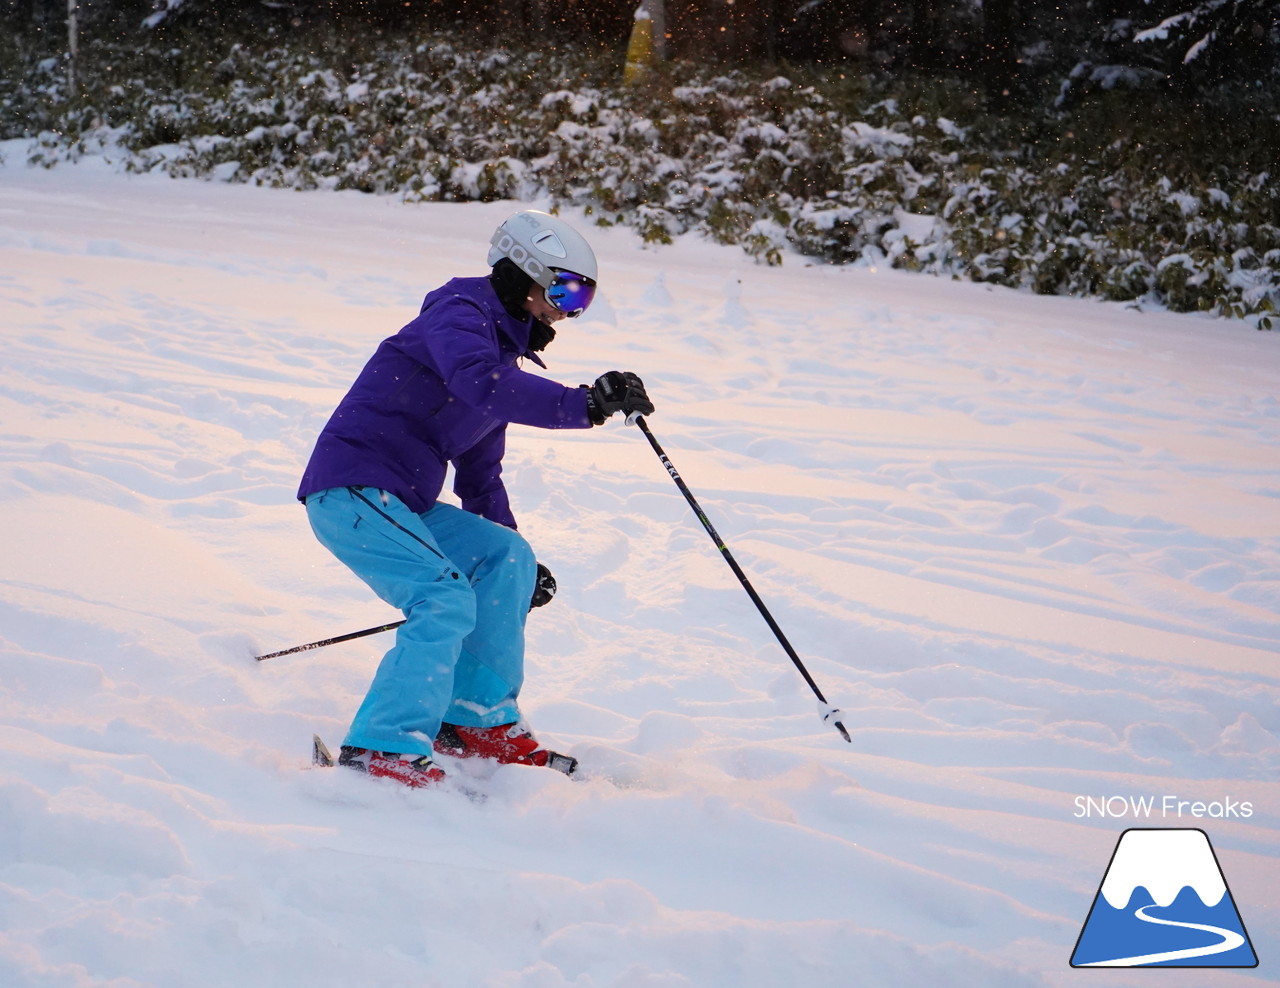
(320,754)
(562,763)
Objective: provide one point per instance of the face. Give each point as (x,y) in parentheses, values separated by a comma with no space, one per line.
(542,310)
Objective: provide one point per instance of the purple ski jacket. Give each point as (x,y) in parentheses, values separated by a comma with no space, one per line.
(442,391)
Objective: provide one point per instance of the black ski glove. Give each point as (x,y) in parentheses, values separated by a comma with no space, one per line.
(544,588)
(617,392)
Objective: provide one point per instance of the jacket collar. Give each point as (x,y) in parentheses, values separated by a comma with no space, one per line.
(512,331)
(517,331)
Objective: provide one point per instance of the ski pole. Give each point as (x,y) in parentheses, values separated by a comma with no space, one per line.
(543,591)
(332,641)
(828,713)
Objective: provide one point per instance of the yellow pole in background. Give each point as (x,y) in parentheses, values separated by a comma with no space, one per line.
(639,48)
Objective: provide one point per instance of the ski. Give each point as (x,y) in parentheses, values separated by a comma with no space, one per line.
(322,757)
(562,763)
(320,754)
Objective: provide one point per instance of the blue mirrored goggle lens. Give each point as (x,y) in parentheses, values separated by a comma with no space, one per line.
(571,293)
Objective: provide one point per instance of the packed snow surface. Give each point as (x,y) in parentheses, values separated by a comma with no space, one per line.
(1030,547)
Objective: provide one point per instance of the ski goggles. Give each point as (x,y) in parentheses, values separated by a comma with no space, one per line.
(570,293)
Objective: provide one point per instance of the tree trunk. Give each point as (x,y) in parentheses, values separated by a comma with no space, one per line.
(658,15)
(925,34)
(1001,20)
(73,45)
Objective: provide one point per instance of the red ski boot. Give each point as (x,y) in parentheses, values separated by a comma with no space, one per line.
(415,771)
(507,744)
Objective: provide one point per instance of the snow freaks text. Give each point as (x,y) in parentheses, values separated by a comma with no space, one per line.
(1163,807)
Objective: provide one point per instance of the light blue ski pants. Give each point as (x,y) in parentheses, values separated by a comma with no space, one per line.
(463,583)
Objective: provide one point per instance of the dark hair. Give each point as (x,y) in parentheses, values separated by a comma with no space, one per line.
(512,286)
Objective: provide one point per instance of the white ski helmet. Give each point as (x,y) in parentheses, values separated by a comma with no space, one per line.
(541,245)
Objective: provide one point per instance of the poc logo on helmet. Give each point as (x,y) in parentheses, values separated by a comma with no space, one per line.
(527,262)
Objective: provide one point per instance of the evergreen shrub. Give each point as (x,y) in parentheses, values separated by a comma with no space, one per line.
(839,170)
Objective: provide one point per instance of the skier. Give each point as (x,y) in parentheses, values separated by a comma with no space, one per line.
(442,391)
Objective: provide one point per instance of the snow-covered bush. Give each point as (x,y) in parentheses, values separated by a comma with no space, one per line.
(768,162)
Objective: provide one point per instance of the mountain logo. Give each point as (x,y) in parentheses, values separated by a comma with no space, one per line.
(1163,902)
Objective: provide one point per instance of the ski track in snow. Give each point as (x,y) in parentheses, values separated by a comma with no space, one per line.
(1030,546)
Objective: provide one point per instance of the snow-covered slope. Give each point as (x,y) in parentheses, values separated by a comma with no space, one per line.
(1031,546)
